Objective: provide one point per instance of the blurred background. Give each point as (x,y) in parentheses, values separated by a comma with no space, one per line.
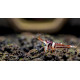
(40,25)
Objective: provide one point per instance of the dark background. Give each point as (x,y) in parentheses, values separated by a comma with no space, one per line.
(72,26)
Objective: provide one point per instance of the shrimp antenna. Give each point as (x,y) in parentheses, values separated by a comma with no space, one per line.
(40,39)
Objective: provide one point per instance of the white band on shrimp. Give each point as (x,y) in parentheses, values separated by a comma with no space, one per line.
(53,44)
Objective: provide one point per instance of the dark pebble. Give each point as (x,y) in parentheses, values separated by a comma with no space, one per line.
(79,55)
(46,58)
(64,57)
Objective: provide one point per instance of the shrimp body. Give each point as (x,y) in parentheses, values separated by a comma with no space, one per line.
(52,45)
(60,45)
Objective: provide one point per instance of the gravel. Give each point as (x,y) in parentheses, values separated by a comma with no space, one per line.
(26,47)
